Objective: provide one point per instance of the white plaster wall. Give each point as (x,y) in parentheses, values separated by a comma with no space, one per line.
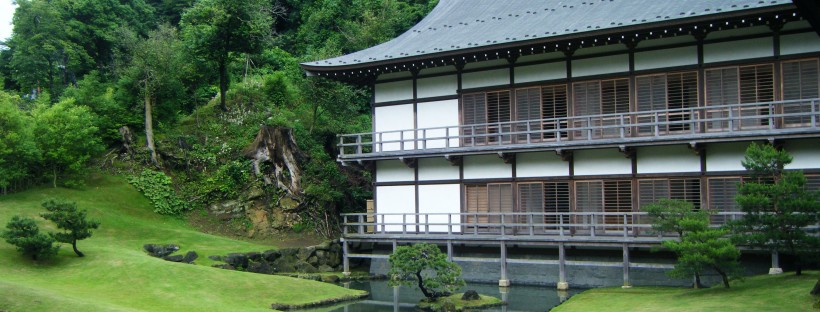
(799,43)
(600,65)
(546,164)
(725,156)
(666,58)
(538,72)
(671,158)
(437,86)
(392,118)
(737,50)
(485,167)
(394,91)
(601,162)
(394,171)
(437,114)
(498,77)
(395,199)
(439,200)
(805,154)
(436,169)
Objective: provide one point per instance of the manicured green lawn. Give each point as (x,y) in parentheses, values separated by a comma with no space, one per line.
(117,275)
(784,292)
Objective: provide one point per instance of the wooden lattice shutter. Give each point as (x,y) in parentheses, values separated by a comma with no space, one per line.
(686,189)
(681,93)
(617,198)
(650,191)
(756,86)
(801,80)
(722,192)
(586,97)
(476,202)
(721,89)
(554,105)
(589,198)
(527,109)
(499,111)
(650,94)
(474,112)
(530,200)
(556,200)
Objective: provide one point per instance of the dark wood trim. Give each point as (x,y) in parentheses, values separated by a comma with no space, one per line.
(437,98)
(393,103)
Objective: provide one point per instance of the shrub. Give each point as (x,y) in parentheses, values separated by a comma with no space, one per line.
(157,187)
(24,233)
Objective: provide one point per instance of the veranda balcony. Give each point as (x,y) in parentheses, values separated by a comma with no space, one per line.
(579,228)
(691,125)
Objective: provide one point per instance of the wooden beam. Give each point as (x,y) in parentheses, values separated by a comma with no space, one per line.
(629,152)
(564,154)
(455,160)
(506,157)
(696,148)
(409,162)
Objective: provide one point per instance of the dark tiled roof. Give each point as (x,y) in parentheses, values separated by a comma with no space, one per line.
(468,24)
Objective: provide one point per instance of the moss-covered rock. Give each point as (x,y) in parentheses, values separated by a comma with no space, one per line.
(455,303)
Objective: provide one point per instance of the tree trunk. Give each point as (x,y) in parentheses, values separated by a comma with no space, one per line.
(278,147)
(149,127)
(223,83)
(76,251)
(54,172)
(697,285)
(723,276)
(424,291)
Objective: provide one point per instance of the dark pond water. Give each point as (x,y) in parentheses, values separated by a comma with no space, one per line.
(387,298)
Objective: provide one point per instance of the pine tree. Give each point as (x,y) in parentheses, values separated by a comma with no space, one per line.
(74,221)
(779,207)
(24,233)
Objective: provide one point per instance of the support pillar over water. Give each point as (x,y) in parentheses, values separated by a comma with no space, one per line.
(775,269)
(626,267)
(450,250)
(562,268)
(504,281)
(345,259)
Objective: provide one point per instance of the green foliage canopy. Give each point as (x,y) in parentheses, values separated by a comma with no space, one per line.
(73,221)
(18,152)
(25,235)
(426,266)
(67,135)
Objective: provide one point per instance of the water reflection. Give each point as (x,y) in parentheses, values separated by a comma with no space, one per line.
(388,298)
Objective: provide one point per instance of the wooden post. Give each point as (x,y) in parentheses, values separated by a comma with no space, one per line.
(396,298)
(345,259)
(626,267)
(449,250)
(562,268)
(504,281)
(775,269)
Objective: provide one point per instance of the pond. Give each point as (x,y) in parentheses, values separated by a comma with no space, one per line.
(387,298)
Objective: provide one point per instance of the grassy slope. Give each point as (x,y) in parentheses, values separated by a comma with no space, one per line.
(117,275)
(784,292)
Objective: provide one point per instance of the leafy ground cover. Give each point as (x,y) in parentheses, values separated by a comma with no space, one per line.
(785,292)
(117,275)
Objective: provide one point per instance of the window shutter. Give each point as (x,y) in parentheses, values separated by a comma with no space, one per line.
(530,197)
(474,111)
(722,193)
(615,96)
(650,94)
(498,111)
(586,101)
(681,93)
(756,83)
(800,81)
(476,202)
(650,191)
(721,89)
(554,105)
(528,108)
(556,200)
(685,189)
(617,198)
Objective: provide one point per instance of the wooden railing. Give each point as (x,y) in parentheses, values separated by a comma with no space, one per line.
(567,226)
(770,118)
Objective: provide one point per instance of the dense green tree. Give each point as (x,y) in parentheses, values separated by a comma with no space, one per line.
(25,235)
(67,136)
(18,152)
(426,266)
(778,205)
(102,99)
(157,66)
(214,29)
(699,247)
(43,53)
(74,222)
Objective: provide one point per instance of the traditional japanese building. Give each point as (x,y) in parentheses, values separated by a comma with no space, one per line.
(547,125)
